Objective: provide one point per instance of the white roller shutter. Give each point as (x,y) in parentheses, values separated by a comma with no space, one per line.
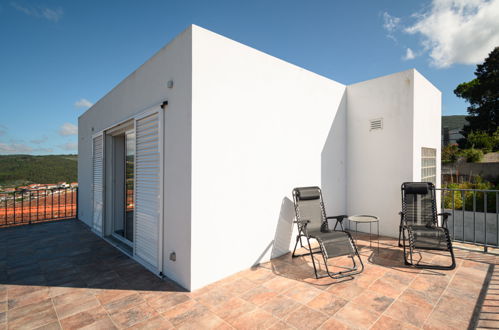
(148,189)
(97,182)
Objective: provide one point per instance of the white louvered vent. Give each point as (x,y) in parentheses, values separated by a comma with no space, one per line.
(147,189)
(376,124)
(97,182)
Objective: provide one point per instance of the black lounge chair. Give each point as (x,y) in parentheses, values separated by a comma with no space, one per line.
(419,227)
(312,223)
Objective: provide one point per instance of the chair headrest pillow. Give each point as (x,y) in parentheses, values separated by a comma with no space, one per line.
(416,188)
(308,193)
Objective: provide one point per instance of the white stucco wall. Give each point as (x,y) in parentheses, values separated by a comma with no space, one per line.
(380,160)
(427,122)
(260,127)
(146,87)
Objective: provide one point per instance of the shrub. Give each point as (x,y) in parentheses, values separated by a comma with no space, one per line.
(495,140)
(473,155)
(450,153)
(479,184)
(482,140)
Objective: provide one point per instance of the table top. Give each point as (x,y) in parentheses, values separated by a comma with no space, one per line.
(363,218)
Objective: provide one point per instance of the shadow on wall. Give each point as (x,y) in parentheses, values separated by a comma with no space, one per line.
(333,163)
(284,230)
(333,185)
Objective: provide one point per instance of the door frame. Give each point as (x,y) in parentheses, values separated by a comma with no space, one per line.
(114,129)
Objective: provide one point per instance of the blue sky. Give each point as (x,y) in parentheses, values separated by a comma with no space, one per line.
(59,57)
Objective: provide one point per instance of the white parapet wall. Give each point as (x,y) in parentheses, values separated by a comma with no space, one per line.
(380,160)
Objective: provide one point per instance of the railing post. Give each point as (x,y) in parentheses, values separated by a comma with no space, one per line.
(14,207)
(485,218)
(22,205)
(30,210)
(77,197)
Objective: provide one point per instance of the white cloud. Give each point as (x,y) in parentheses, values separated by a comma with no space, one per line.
(69,146)
(390,24)
(83,103)
(68,129)
(409,55)
(21,148)
(458,31)
(51,14)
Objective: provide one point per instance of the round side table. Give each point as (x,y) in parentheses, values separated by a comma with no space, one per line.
(363,218)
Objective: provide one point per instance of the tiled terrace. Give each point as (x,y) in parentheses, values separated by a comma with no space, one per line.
(60,275)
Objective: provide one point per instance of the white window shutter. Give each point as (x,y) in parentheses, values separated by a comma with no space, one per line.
(148,189)
(97,182)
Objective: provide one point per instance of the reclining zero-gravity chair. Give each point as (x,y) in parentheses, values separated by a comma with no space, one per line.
(312,224)
(419,228)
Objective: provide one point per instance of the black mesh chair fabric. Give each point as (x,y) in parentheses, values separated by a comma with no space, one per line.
(312,224)
(309,207)
(335,243)
(419,204)
(419,220)
(429,238)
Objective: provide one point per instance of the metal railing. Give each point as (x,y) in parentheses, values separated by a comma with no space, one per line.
(474,215)
(31,206)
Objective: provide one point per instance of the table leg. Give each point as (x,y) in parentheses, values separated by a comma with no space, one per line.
(356,234)
(370,240)
(377,223)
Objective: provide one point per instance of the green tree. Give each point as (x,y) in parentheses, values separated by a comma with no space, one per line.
(482,93)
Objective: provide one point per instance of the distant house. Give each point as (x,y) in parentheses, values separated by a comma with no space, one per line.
(188,164)
(451,136)
(62,185)
(73,184)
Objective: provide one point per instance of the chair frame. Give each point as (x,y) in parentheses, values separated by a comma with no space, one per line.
(302,232)
(407,228)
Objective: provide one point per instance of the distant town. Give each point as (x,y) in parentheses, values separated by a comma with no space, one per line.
(40,186)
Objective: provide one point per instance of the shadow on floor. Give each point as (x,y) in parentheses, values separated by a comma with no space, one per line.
(67,254)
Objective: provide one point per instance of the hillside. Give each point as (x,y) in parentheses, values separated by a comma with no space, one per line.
(453,122)
(18,170)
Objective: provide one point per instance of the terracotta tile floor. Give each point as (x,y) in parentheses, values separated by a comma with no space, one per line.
(60,275)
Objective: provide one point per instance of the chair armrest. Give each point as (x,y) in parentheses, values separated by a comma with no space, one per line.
(337,217)
(302,222)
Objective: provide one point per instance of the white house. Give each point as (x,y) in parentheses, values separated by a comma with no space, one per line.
(188,164)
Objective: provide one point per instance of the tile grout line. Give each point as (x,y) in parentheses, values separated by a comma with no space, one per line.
(394,300)
(107,313)
(256,306)
(443,292)
(55,311)
(367,288)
